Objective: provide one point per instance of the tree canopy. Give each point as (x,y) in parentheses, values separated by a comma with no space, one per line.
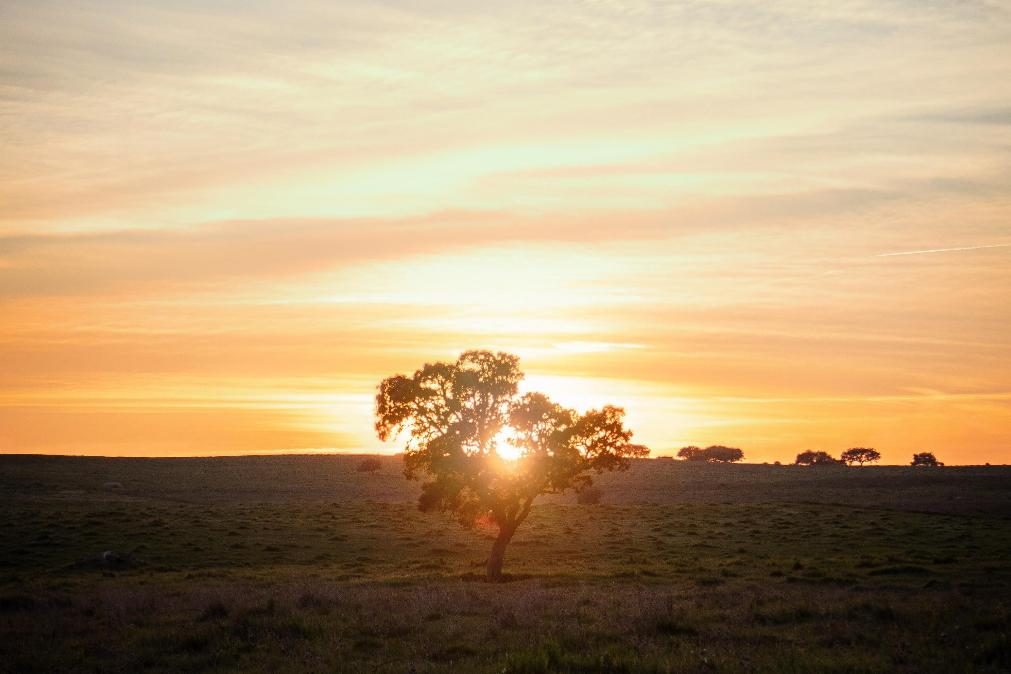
(860,455)
(711,454)
(457,416)
(721,454)
(925,459)
(690,453)
(815,458)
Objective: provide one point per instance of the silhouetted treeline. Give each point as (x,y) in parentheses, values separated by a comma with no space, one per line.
(711,454)
(809,457)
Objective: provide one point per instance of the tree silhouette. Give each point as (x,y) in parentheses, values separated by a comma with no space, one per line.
(925,459)
(813,458)
(860,455)
(711,454)
(691,453)
(721,454)
(457,415)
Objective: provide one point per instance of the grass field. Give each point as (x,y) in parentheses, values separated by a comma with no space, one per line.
(303,564)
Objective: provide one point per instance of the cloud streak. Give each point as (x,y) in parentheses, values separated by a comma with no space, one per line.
(204,209)
(928,251)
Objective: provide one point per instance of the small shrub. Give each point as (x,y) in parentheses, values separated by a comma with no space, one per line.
(589,496)
(369,466)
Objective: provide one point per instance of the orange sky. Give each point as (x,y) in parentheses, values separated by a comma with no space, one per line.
(765,224)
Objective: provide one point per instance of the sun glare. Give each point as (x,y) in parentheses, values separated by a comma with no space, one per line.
(509,452)
(505,447)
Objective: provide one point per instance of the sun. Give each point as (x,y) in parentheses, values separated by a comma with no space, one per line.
(508,451)
(505,447)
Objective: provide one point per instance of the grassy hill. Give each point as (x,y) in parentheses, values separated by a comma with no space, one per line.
(306,478)
(301,563)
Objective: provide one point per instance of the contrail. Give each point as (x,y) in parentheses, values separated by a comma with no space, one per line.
(943,250)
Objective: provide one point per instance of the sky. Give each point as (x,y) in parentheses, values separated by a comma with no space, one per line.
(774,224)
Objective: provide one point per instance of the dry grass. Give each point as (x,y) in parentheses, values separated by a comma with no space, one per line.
(265,580)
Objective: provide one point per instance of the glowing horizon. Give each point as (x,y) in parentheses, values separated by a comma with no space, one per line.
(759,224)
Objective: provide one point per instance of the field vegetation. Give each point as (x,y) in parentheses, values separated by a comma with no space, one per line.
(306,564)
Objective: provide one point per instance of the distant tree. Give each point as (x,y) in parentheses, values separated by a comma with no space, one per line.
(861,455)
(813,458)
(458,414)
(638,451)
(925,459)
(691,453)
(721,454)
(369,465)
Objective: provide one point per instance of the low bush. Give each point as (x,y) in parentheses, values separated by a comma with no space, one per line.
(369,466)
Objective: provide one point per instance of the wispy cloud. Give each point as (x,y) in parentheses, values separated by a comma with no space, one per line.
(927,251)
(304,199)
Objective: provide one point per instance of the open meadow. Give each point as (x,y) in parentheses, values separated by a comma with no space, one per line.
(305,564)
(469,337)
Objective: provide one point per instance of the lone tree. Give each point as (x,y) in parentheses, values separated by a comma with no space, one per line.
(711,454)
(925,459)
(861,455)
(464,419)
(721,454)
(690,453)
(812,458)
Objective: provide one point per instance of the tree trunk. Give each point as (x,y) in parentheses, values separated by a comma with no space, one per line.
(497,555)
